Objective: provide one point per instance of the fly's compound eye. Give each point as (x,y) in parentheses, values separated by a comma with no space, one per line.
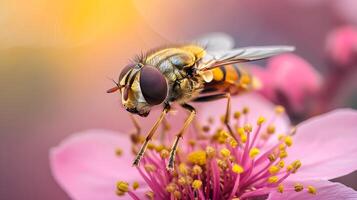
(153,85)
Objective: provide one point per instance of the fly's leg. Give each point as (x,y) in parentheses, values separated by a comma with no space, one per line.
(228,108)
(142,150)
(135,136)
(170,165)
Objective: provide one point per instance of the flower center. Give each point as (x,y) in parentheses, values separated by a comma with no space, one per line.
(217,166)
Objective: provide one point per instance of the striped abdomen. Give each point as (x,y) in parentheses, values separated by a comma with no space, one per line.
(230,78)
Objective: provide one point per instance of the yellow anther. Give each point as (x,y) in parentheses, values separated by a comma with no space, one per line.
(171,187)
(260,120)
(198,157)
(240,131)
(311,189)
(225,152)
(245,110)
(118,152)
(283,154)
(164,153)
(280,188)
(223,118)
(298,187)
(254,152)
(289,168)
(177,194)
(222,164)
(271,129)
(189,179)
(221,136)
(281,136)
(122,187)
(183,168)
(151,146)
(150,195)
(272,157)
(205,128)
(279,109)
(182,181)
(243,138)
(237,169)
(196,184)
(236,115)
(248,128)
(281,163)
(210,151)
(135,185)
(274,169)
(150,168)
(159,148)
(192,142)
(273,179)
(233,143)
(295,166)
(282,147)
(196,170)
(288,141)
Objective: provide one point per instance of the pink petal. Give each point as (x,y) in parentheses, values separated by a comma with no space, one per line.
(86,167)
(326,190)
(346,9)
(341,45)
(326,146)
(258,106)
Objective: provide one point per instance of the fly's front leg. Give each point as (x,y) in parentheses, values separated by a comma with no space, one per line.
(135,137)
(227,116)
(151,133)
(179,135)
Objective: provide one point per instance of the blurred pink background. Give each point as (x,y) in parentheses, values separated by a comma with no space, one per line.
(56,58)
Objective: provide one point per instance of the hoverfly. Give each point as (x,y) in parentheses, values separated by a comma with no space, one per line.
(187,73)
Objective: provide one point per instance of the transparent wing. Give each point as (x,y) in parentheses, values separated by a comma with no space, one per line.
(219,58)
(215,42)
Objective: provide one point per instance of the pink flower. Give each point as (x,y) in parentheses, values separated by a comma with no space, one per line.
(294,165)
(289,80)
(341,46)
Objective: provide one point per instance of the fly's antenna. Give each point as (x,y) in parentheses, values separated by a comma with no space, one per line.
(114,89)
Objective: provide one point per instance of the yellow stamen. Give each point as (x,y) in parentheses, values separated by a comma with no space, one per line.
(311,189)
(281,136)
(233,143)
(196,184)
(150,195)
(281,163)
(183,168)
(280,188)
(288,141)
(171,187)
(274,169)
(273,179)
(225,152)
(283,154)
(243,138)
(279,109)
(182,181)
(159,148)
(260,121)
(198,157)
(282,147)
(236,115)
(298,187)
(248,128)
(271,129)
(164,153)
(135,185)
(272,157)
(210,151)
(122,187)
(254,152)
(237,169)
(245,110)
(196,170)
(151,146)
(118,152)
(240,131)
(222,164)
